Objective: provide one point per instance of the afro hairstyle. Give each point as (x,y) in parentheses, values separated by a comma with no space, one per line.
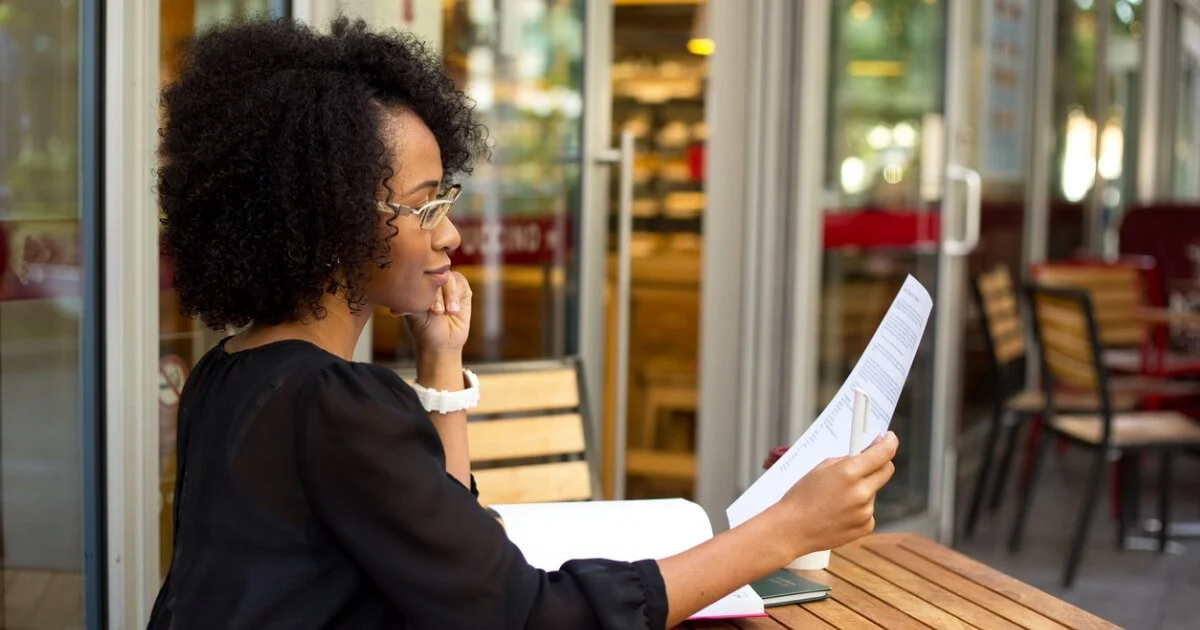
(271,156)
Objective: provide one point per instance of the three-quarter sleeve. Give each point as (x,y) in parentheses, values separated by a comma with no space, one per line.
(374,468)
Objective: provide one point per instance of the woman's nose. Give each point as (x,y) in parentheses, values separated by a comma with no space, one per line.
(446,237)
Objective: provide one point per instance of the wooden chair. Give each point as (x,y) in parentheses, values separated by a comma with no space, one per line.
(1012,402)
(1068,337)
(1121,290)
(529,435)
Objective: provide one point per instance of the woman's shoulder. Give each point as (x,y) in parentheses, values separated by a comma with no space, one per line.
(363,381)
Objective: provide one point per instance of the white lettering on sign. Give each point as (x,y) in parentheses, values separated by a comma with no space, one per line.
(498,239)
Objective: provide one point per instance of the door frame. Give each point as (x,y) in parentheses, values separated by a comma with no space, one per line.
(951,294)
(592,244)
(130,334)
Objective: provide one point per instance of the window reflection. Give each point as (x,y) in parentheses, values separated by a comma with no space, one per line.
(41,302)
(886,77)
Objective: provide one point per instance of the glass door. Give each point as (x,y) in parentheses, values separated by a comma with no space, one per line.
(925,146)
(654,213)
(52,547)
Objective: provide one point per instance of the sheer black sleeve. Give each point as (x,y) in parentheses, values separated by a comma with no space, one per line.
(375,471)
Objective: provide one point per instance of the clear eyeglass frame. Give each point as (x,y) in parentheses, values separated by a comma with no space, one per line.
(430,213)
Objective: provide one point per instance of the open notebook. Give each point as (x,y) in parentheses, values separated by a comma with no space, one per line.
(549,534)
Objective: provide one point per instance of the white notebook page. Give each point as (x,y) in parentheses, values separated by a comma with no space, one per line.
(549,534)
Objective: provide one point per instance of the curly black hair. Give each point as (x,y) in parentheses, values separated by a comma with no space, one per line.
(271,156)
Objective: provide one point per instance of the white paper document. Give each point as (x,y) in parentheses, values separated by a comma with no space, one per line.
(880,372)
(549,534)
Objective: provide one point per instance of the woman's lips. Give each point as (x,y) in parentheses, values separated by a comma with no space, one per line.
(440,276)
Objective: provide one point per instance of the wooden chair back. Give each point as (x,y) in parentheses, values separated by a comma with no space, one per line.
(528,436)
(1000,314)
(1003,332)
(1117,294)
(1068,340)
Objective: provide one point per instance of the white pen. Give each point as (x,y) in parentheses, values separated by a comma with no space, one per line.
(858,421)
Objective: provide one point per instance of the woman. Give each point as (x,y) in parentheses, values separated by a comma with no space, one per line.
(306,181)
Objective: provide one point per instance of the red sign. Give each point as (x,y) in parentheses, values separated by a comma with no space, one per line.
(870,229)
(512,240)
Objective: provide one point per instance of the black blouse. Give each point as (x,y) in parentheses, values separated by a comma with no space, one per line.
(313,493)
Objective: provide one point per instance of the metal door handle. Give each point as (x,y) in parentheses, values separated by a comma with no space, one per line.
(970,239)
(623,156)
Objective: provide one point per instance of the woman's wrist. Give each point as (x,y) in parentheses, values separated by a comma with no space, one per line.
(441,369)
(788,542)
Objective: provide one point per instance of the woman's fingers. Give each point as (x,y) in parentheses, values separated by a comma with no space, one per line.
(878,479)
(462,293)
(439,303)
(449,295)
(875,456)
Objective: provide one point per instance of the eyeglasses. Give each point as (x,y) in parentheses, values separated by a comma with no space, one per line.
(431,213)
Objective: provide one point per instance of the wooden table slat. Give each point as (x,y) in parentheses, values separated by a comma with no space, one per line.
(893,595)
(863,602)
(900,581)
(1034,599)
(839,615)
(950,601)
(797,618)
(957,583)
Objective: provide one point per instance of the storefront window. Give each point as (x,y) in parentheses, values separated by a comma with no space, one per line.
(885,99)
(659,76)
(883,173)
(45,314)
(1094,146)
(182,340)
(1117,149)
(1073,166)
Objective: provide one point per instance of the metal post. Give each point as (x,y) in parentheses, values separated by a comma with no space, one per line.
(1155,43)
(592,243)
(1039,130)
(1101,102)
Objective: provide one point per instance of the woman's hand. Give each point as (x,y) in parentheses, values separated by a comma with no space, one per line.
(445,326)
(439,335)
(835,503)
(831,506)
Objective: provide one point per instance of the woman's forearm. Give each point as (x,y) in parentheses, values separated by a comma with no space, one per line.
(445,372)
(732,559)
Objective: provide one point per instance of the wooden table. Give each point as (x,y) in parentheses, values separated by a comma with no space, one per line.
(906,581)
